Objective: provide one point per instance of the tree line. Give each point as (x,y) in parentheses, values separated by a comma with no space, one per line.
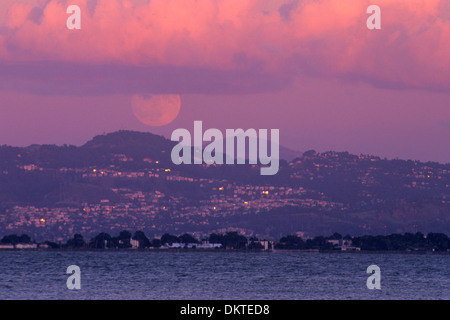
(393,242)
(438,242)
(104,240)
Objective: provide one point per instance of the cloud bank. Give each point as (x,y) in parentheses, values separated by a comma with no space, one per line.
(221,46)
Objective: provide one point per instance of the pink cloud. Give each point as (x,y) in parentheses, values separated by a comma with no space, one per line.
(325,37)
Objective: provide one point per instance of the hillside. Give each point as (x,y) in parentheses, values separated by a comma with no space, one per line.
(126,180)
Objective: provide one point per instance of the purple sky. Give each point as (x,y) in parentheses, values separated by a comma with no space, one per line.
(309,68)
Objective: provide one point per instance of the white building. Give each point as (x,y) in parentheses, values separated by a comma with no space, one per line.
(134,243)
(26,246)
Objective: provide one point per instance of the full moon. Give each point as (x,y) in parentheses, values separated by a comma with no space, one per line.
(156,110)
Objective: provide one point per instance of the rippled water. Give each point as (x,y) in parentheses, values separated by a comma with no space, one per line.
(221,275)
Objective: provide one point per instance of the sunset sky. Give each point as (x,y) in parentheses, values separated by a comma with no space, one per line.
(310,68)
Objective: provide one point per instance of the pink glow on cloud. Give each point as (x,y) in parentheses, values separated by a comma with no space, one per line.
(310,68)
(412,49)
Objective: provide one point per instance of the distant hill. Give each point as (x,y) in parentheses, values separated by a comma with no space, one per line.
(123,139)
(126,180)
(289,154)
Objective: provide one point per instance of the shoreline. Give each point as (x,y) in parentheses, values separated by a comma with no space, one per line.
(181,250)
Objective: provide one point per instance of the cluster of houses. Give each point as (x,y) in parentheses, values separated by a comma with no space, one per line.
(23,246)
(344,245)
(191,246)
